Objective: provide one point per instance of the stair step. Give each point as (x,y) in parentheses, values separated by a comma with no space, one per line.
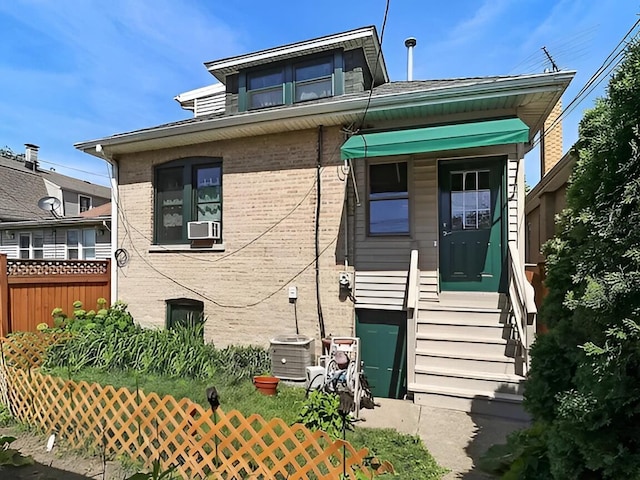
(429,307)
(474,299)
(468,380)
(474,345)
(468,330)
(498,404)
(468,362)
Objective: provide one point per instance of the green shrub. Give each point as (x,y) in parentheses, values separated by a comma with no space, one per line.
(179,352)
(321,411)
(115,318)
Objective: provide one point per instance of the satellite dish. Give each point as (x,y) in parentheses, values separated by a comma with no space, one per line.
(49,204)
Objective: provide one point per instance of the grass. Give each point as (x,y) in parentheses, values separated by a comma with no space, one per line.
(407,453)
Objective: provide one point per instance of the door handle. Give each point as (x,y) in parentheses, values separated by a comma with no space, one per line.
(445,233)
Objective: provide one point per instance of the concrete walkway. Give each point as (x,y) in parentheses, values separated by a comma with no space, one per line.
(456,439)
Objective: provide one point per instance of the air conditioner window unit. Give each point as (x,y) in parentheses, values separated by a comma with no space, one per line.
(203,230)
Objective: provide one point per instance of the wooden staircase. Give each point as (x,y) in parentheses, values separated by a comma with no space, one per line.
(466,357)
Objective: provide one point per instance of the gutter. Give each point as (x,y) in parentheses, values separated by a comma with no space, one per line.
(54,222)
(497,88)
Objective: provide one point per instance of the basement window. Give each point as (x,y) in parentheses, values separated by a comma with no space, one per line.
(184,311)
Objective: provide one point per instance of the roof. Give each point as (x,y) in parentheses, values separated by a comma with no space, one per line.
(20,190)
(76,184)
(532,96)
(101,211)
(554,179)
(365,38)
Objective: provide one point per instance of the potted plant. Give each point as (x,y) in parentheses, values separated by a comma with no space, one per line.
(266,383)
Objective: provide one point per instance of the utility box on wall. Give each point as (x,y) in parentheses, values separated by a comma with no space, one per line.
(291,355)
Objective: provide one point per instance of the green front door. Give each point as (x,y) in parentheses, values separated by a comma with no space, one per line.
(471,225)
(383,351)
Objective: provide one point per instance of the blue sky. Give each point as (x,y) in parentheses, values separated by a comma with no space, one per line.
(75,70)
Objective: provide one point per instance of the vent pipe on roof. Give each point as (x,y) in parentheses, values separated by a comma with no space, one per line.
(31,156)
(410,43)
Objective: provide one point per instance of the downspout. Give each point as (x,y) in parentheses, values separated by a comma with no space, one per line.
(317,233)
(115,209)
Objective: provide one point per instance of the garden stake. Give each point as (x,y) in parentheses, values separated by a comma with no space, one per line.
(138,405)
(214,400)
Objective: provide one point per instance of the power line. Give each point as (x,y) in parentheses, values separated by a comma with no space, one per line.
(373,76)
(73,168)
(609,64)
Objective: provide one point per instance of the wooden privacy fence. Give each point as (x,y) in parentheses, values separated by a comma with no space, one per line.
(147,427)
(536,274)
(31,289)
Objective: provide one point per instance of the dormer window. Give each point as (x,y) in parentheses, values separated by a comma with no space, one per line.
(292,82)
(313,79)
(265,88)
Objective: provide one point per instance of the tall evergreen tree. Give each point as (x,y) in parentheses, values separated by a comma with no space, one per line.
(584,384)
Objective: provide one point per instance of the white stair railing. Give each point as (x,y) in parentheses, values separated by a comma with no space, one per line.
(411,305)
(523,305)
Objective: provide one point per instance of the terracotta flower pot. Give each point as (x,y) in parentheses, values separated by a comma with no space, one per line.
(266,385)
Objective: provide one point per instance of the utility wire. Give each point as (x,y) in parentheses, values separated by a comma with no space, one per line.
(373,76)
(609,64)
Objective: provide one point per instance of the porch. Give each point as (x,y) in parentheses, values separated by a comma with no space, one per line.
(439,275)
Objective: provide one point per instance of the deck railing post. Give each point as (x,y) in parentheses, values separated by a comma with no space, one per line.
(4,296)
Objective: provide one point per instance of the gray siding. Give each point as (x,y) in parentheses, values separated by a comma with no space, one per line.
(54,247)
(382,263)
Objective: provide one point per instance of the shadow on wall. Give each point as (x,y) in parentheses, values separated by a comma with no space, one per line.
(493,420)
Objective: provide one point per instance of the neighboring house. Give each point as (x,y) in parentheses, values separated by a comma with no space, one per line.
(396,211)
(55,229)
(543,203)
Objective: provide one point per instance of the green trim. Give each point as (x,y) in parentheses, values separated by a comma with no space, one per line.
(188,166)
(288,86)
(435,139)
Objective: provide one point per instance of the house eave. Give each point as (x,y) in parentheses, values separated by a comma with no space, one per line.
(54,222)
(366,38)
(548,88)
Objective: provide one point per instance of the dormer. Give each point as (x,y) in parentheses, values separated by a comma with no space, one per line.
(312,70)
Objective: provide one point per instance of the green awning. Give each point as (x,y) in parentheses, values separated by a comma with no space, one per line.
(436,139)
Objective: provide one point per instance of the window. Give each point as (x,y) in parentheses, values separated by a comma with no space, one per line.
(31,245)
(470,200)
(388,199)
(81,244)
(184,311)
(266,88)
(187,190)
(291,82)
(84,202)
(313,80)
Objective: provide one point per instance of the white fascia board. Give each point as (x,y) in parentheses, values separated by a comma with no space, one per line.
(289,50)
(207,91)
(455,93)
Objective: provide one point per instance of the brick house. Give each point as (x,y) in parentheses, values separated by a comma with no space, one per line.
(396,209)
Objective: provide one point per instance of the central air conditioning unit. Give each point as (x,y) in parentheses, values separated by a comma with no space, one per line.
(203,230)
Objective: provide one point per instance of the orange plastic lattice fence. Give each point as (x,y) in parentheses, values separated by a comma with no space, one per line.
(148,427)
(26,349)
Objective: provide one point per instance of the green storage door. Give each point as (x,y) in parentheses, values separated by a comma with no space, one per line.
(383,348)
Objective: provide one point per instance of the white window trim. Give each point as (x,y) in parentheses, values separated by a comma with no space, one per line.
(80,247)
(31,249)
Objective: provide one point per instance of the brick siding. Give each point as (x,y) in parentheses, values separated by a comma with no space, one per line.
(264,178)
